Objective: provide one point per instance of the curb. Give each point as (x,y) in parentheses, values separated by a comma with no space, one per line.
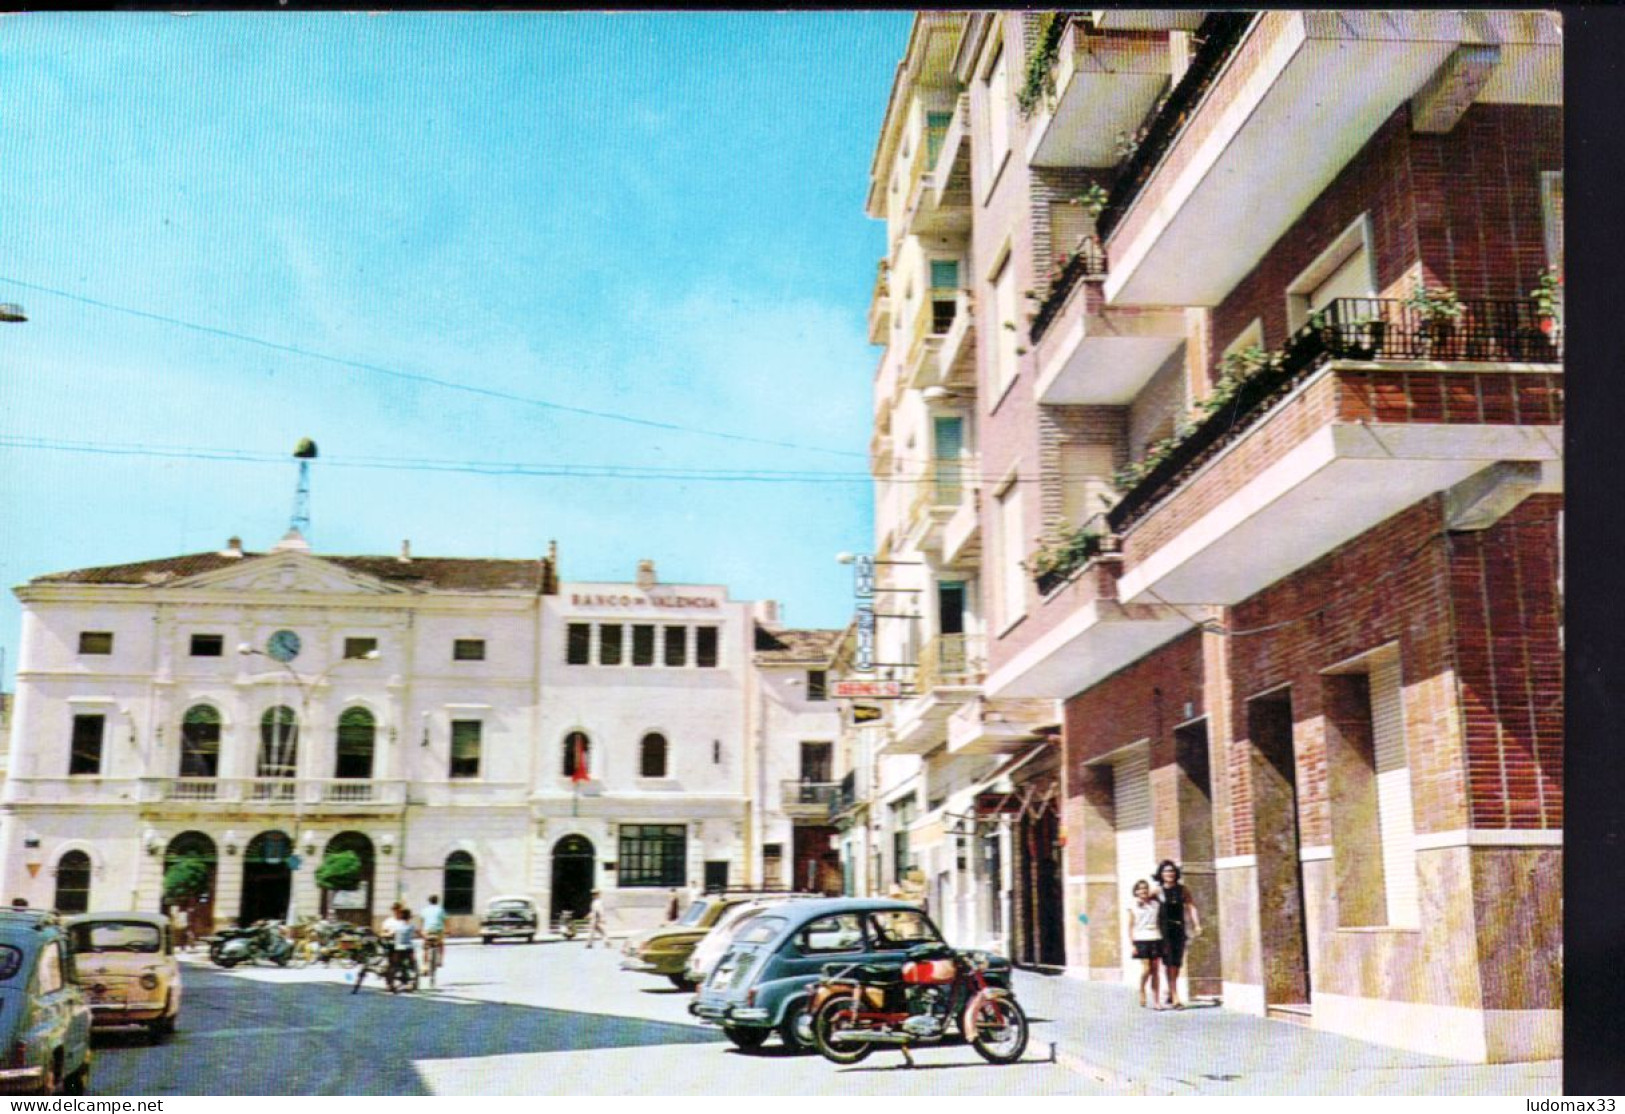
(1081,1064)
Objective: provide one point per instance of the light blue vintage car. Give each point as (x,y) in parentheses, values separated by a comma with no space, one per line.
(764,981)
(44,1017)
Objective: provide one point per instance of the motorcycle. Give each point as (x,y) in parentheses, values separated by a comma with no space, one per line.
(264,940)
(937,991)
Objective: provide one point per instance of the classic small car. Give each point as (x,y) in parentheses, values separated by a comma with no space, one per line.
(764,982)
(127,967)
(507,916)
(665,950)
(44,1018)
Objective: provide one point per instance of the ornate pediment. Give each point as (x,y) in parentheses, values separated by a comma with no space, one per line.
(290,573)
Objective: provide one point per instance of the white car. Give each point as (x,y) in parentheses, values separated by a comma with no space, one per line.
(709,950)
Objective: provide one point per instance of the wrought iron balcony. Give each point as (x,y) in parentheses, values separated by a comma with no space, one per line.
(846,795)
(807,798)
(1088,261)
(1380,330)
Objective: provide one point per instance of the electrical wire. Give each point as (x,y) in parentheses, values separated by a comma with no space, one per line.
(427,380)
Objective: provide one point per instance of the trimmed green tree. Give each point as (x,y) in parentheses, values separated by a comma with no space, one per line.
(340,870)
(186,880)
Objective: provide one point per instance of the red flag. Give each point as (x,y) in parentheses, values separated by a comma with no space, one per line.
(578,773)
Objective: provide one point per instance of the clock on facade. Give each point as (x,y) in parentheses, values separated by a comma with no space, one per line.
(283,645)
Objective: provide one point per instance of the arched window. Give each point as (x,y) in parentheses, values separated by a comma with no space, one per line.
(200,742)
(73,883)
(577,753)
(652,759)
(279,743)
(457,883)
(355,741)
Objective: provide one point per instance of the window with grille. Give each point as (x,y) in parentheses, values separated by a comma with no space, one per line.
(653,855)
(360,649)
(817,684)
(468,649)
(609,643)
(208,645)
(676,646)
(465,747)
(578,644)
(279,743)
(95,642)
(705,647)
(72,891)
(652,760)
(86,754)
(457,883)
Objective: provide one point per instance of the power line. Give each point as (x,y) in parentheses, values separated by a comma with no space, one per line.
(430,380)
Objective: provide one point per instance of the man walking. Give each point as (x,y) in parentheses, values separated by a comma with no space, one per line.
(595,921)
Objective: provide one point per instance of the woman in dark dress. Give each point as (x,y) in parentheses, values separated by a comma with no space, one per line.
(1179,922)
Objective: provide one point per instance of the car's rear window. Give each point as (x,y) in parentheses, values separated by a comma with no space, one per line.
(760,930)
(11,961)
(117,936)
(510,907)
(694,913)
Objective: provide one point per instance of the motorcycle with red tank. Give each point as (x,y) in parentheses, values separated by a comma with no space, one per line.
(936,993)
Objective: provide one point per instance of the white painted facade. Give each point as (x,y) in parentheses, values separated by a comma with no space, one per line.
(486,656)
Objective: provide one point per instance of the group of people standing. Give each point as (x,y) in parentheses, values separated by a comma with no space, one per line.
(1162,919)
(400,932)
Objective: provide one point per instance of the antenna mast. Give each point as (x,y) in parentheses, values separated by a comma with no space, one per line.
(304,453)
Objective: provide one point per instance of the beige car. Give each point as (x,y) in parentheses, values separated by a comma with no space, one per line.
(127,967)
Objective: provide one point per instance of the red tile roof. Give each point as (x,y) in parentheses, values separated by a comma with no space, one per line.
(786,647)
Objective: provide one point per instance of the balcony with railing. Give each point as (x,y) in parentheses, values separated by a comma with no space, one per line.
(1230,137)
(1106,82)
(956,356)
(845,798)
(938,200)
(275,793)
(950,176)
(933,319)
(962,535)
(938,496)
(880,304)
(949,670)
(1372,406)
(1089,353)
(807,799)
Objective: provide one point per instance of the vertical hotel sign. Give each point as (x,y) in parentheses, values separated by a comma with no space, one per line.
(864,589)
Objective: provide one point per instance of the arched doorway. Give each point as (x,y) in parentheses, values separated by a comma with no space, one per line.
(267,881)
(354,906)
(574,863)
(73,883)
(199,905)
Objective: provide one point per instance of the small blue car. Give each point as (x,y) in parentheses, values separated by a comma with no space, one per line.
(44,1018)
(764,981)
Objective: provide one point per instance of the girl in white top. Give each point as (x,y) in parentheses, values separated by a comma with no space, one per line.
(1146,937)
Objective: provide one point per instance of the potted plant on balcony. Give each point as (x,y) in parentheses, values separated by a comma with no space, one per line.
(1548,298)
(1437,309)
(1061,553)
(1362,338)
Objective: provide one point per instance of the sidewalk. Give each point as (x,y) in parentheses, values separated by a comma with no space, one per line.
(1100,1031)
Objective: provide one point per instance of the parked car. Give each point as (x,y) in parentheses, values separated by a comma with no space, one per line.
(508,916)
(127,967)
(703,959)
(44,1018)
(665,950)
(764,981)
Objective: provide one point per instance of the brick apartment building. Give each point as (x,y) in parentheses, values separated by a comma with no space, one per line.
(1249,381)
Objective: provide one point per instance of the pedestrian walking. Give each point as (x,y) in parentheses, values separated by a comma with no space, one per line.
(674,907)
(1145,933)
(595,921)
(401,943)
(1179,921)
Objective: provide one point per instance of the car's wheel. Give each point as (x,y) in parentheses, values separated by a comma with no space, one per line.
(531,939)
(836,1014)
(748,1039)
(485,939)
(796,1028)
(79,1082)
(227,962)
(682,982)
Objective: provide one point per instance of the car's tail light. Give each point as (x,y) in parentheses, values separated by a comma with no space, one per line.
(19,1055)
(750,996)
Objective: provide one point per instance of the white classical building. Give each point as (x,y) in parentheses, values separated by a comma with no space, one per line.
(468,727)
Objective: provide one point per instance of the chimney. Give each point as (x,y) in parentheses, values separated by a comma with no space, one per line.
(646,574)
(406,551)
(234,547)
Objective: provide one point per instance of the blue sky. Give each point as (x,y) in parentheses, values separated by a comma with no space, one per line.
(657,215)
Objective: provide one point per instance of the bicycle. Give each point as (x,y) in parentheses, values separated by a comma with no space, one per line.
(434,955)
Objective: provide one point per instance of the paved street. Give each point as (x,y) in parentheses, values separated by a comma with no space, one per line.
(548,1018)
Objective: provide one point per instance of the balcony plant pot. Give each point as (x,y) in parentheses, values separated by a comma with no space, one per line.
(1438,337)
(1364,340)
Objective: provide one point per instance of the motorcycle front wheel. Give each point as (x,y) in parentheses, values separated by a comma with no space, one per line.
(834,1015)
(996,1027)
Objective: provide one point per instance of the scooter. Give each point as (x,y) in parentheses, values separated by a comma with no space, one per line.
(263,941)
